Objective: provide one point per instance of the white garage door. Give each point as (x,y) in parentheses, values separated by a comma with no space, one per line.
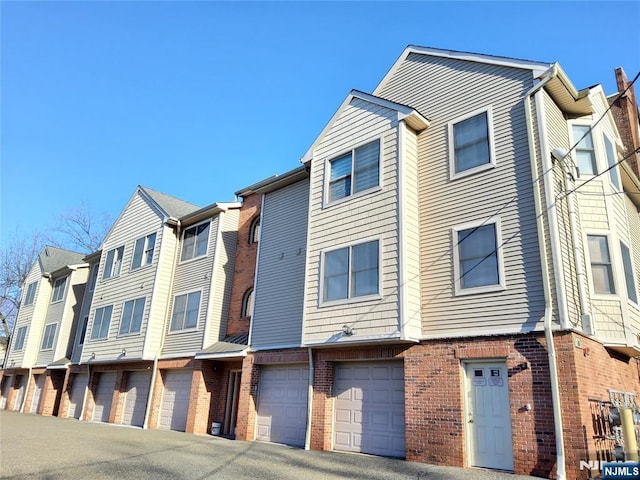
(37,392)
(76,398)
(6,388)
(282,404)
(21,391)
(104,396)
(175,400)
(369,408)
(137,394)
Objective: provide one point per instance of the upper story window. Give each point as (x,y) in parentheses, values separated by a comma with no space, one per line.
(83,331)
(351,272)
(49,336)
(477,258)
(101,322)
(31,293)
(186,309)
(611,162)
(627,265)
(20,336)
(58,289)
(143,251)
(195,241)
(247,303)
(132,316)
(470,143)
(93,277)
(354,172)
(601,267)
(113,263)
(585,150)
(254,230)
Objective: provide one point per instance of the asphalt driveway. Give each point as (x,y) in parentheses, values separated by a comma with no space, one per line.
(36,447)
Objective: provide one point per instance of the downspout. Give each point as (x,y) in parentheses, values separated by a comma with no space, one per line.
(548,309)
(154,372)
(307,439)
(26,390)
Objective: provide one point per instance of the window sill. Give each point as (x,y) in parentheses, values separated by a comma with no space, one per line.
(128,334)
(185,330)
(194,259)
(350,301)
(141,267)
(472,171)
(461,292)
(352,196)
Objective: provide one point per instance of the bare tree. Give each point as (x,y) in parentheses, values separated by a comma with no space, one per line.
(79,230)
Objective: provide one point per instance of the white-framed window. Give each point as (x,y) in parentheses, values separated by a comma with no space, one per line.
(93,277)
(601,266)
(247,303)
(611,162)
(627,265)
(355,171)
(58,289)
(113,263)
(195,241)
(186,309)
(20,336)
(49,336)
(31,293)
(351,272)
(101,322)
(585,150)
(132,316)
(478,265)
(143,251)
(471,147)
(254,230)
(83,330)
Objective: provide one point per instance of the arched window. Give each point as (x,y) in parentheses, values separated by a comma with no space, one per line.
(254,231)
(247,303)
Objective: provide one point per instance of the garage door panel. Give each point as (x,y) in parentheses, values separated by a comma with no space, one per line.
(137,394)
(37,392)
(175,400)
(369,408)
(104,396)
(282,404)
(76,396)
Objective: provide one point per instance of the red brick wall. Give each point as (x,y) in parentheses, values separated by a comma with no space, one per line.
(70,376)
(625,113)
(245,265)
(52,392)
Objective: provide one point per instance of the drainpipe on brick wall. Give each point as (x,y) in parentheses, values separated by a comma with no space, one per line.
(307,439)
(548,309)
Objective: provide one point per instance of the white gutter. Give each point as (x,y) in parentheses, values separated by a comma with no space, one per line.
(548,310)
(307,438)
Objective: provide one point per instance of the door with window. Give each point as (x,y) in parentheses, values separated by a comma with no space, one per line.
(488,416)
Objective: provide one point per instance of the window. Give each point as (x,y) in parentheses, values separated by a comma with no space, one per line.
(470,143)
(611,162)
(477,258)
(113,263)
(83,331)
(31,293)
(351,272)
(195,241)
(49,336)
(143,251)
(132,316)
(101,322)
(355,171)
(20,336)
(185,311)
(585,151)
(58,289)
(628,273)
(247,303)
(601,269)
(93,277)
(254,231)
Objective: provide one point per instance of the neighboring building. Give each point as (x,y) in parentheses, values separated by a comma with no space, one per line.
(451,277)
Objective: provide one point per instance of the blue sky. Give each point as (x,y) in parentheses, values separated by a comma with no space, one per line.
(200,99)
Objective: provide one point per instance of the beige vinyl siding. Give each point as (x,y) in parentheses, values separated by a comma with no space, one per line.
(278,299)
(445,89)
(220,299)
(192,275)
(84,312)
(160,303)
(634,245)
(412,320)
(33,317)
(138,219)
(370,216)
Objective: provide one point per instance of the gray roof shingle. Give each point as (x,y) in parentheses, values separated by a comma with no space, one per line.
(54,258)
(174,207)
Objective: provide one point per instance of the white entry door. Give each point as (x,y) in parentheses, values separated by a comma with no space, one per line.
(489,416)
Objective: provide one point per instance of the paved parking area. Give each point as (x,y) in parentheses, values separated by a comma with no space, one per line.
(36,447)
